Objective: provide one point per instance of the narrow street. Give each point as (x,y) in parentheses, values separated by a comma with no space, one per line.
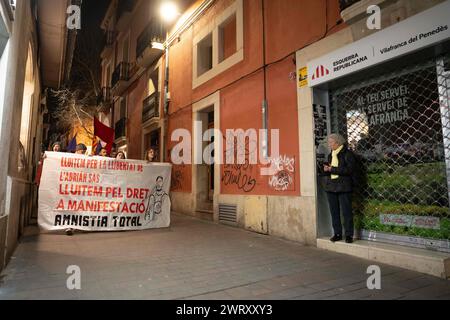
(190,149)
(194,259)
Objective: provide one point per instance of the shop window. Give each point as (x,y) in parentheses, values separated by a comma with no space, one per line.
(205,55)
(398,125)
(219,45)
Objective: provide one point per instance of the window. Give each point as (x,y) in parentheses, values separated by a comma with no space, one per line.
(219,45)
(227,38)
(205,55)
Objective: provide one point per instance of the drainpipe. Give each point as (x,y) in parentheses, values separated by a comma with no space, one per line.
(265,110)
(166,101)
(265,104)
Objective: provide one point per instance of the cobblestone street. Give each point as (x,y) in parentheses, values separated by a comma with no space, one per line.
(198,260)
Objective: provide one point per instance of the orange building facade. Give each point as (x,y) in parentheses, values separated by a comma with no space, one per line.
(229,62)
(234,65)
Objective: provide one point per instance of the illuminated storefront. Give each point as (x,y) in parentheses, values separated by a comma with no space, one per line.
(389,95)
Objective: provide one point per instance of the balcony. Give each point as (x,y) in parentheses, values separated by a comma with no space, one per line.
(120,129)
(120,78)
(150,44)
(124,13)
(150,108)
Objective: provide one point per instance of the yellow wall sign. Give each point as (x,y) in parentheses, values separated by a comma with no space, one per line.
(303,77)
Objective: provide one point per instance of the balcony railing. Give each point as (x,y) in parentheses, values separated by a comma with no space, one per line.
(120,128)
(150,108)
(154,32)
(121,73)
(344,4)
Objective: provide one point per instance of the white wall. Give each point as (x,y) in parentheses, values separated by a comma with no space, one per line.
(17,191)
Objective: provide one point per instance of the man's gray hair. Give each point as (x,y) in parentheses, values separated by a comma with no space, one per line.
(339,139)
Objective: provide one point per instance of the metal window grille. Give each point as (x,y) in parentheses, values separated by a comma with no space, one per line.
(398,126)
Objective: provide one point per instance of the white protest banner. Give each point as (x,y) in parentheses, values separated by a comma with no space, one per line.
(103,194)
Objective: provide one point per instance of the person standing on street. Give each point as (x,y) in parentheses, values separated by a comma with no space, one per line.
(339,186)
(80,150)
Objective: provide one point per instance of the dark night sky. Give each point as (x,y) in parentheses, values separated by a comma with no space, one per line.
(93,12)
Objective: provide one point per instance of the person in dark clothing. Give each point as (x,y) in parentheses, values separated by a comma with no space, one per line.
(339,187)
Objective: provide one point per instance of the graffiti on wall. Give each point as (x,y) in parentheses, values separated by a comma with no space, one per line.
(177,178)
(240,175)
(284,170)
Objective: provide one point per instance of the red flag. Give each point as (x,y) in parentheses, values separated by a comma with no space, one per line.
(106,134)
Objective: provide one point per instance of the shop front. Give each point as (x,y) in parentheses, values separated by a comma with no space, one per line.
(389,95)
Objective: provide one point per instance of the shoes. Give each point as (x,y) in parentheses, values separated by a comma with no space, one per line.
(336,238)
(349,239)
(69,232)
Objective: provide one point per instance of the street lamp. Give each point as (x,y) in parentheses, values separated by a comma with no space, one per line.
(168,11)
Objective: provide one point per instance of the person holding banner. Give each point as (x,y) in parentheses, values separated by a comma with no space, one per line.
(81,149)
(56,147)
(150,155)
(103,153)
(121,156)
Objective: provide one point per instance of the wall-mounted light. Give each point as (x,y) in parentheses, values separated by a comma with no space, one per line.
(169,11)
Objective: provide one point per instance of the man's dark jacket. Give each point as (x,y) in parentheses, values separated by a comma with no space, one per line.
(345,171)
